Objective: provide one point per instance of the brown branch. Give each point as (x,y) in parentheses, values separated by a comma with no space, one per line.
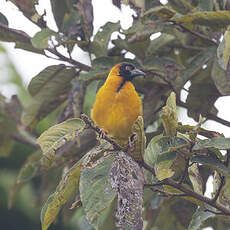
(168,193)
(216,213)
(69,60)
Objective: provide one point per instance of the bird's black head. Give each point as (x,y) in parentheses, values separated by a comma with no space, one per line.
(128,71)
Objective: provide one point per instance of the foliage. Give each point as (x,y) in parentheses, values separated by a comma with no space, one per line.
(167,172)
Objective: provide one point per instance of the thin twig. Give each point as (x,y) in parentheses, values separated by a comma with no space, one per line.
(214,199)
(194,32)
(98,130)
(216,213)
(168,193)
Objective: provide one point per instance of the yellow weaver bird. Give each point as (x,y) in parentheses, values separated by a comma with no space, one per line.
(117,104)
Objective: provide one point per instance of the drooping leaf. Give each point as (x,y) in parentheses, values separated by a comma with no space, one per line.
(49,89)
(41,38)
(26,173)
(212,163)
(199,217)
(3,19)
(219,143)
(223,50)
(95,190)
(59,9)
(169,115)
(220,18)
(58,135)
(100,42)
(67,186)
(127,180)
(221,78)
(158,44)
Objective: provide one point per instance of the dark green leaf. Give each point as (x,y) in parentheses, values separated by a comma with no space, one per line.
(221,78)
(202,95)
(212,163)
(21,39)
(59,9)
(49,89)
(161,153)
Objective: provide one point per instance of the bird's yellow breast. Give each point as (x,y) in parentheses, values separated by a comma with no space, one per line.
(116,111)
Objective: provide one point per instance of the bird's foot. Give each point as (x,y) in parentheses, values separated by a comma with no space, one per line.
(102,133)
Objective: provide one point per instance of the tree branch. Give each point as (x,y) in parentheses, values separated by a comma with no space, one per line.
(98,130)
(69,60)
(209,116)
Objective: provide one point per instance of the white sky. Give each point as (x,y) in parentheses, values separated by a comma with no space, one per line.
(29,64)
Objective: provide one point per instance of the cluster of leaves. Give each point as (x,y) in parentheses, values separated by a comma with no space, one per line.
(193,46)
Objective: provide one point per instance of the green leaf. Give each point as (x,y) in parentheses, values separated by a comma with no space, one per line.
(57,136)
(95,190)
(198,219)
(3,19)
(220,78)
(219,18)
(195,65)
(161,153)
(49,89)
(168,115)
(67,186)
(221,143)
(41,38)
(90,97)
(100,42)
(212,163)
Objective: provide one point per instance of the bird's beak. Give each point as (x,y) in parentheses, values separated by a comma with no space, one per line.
(137,72)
